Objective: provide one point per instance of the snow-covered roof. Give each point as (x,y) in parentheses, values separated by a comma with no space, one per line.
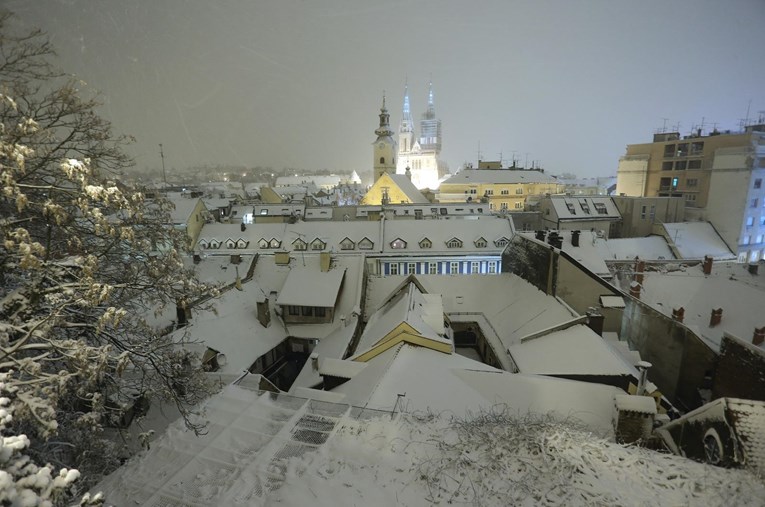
(498,176)
(339,367)
(568,208)
(694,240)
(577,350)
(408,188)
(648,248)
(311,287)
(740,294)
(631,403)
(183,207)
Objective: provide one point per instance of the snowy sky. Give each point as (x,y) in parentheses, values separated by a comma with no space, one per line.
(295,83)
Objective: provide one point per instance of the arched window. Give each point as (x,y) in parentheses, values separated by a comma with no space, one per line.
(382,160)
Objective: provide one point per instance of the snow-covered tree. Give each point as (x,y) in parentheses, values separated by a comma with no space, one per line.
(82,259)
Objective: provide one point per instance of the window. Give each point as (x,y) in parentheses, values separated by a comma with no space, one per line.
(762,220)
(443,211)
(503,241)
(758,183)
(692,182)
(214,243)
(746,240)
(504,192)
(519,191)
(600,208)
(454,267)
(585,207)
(475,267)
(492,266)
(398,244)
(299,244)
(382,160)
(643,210)
(503,205)
(230,243)
(203,244)
(653,211)
(666,165)
(347,244)
(489,192)
(690,197)
(318,244)
(411,268)
(749,221)
(394,268)
(320,311)
(264,211)
(418,214)
(425,243)
(306,311)
(454,243)
(694,164)
(432,268)
(697,148)
(682,150)
(681,165)
(366,244)
(758,239)
(293,310)
(674,182)
(480,243)
(519,205)
(571,208)
(755,202)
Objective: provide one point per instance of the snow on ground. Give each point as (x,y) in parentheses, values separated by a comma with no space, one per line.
(494,459)
(266,449)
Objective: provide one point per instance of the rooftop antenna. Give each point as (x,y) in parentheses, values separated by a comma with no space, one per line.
(479,150)
(526,164)
(164,176)
(701,128)
(514,152)
(760,117)
(664,125)
(500,159)
(676,127)
(748,107)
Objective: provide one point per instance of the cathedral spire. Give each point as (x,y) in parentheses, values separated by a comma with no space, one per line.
(431,112)
(407,124)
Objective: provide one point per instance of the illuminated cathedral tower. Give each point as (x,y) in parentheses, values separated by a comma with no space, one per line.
(421,155)
(384,151)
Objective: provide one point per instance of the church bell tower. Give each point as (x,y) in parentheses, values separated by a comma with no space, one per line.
(384,150)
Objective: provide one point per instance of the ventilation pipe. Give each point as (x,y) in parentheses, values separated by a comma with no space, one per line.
(707,266)
(642,367)
(716,317)
(759,336)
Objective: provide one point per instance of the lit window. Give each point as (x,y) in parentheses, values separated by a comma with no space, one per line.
(262,243)
(264,212)
(749,221)
(398,244)
(755,202)
(746,240)
(275,243)
(758,183)
(758,240)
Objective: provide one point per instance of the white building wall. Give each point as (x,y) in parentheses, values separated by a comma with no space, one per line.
(726,205)
(631,176)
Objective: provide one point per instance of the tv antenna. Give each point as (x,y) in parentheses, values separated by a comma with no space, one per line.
(164,176)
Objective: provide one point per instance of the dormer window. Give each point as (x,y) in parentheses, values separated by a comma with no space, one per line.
(274,243)
(318,244)
(366,244)
(426,243)
(262,243)
(347,244)
(585,207)
(242,243)
(214,243)
(398,244)
(571,208)
(299,244)
(203,244)
(601,208)
(480,243)
(454,243)
(230,244)
(503,241)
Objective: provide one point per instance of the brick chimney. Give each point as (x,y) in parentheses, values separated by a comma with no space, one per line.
(707,266)
(639,268)
(635,289)
(678,314)
(716,317)
(575,238)
(759,336)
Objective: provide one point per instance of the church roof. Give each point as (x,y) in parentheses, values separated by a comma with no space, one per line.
(406,186)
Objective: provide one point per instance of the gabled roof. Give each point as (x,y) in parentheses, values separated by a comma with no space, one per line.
(695,240)
(584,208)
(498,176)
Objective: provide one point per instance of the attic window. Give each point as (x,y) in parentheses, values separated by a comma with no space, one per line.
(299,244)
(503,241)
(275,243)
(230,243)
(600,208)
(398,244)
(366,244)
(585,207)
(318,244)
(347,244)
(214,243)
(480,243)
(264,211)
(571,208)
(203,243)
(242,243)
(262,243)
(426,243)
(454,243)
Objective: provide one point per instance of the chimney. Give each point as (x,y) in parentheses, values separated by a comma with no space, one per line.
(716,317)
(639,268)
(759,336)
(642,367)
(540,235)
(575,238)
(408,173)
(595,320)
(315,361)
(678,314)
(707,266)
(635,289)
(753,266)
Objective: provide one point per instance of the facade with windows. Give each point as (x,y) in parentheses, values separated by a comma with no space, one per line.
(719,176)
(561,212)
